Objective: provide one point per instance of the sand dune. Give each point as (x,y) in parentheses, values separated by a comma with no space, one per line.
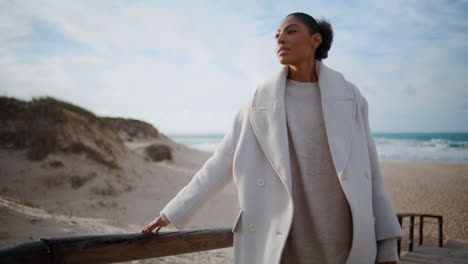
(39,200)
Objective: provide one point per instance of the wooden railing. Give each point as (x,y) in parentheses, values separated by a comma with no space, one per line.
(115,248)
(421,229)
(127,247)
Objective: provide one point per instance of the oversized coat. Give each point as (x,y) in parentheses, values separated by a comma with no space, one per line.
(255,154)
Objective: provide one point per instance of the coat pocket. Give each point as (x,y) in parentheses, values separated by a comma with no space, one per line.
(237,217)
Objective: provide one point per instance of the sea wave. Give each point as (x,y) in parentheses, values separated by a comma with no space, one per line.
(433,147)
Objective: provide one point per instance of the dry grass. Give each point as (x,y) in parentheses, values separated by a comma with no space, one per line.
(37,126)
(26,202)
(20,201)
(107,190)
(59,180)
(33,124)
(56,163)
(159,152)
(78,148)
(77,181)
(52,181)
(46,125)
(131,127)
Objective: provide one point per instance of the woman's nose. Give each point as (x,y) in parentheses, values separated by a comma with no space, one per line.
(280,38)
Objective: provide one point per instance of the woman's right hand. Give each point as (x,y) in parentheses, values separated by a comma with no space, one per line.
(156,223)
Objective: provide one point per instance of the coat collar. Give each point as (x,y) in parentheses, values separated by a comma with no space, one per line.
(268,118)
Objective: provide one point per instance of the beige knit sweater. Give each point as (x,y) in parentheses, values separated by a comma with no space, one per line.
(321,231)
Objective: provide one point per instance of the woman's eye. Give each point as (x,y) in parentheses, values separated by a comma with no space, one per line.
(289,32)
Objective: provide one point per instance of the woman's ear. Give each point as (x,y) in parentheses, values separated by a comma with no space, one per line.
(316,40)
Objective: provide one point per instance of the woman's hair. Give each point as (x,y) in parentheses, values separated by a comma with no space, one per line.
(321,26)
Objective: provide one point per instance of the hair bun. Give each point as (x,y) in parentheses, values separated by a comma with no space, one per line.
(326,31)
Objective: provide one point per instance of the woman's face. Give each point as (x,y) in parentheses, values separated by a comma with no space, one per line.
(294,44)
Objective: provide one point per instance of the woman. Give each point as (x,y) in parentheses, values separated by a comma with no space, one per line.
(304,162)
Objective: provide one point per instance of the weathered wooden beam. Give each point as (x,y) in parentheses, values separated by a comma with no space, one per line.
(28,252)
(117,248)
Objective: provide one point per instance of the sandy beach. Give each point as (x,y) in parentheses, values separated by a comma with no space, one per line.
(39,200)
(431,188)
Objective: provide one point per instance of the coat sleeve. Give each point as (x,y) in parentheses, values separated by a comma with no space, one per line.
(211,178)
(387,250)
(386,221)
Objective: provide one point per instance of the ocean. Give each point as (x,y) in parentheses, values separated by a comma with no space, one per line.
(430,147)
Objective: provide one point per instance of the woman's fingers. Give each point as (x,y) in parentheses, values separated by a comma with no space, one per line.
(147,228)
(156,223)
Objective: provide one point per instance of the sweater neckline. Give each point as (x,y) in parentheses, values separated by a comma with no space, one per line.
(298,83)
(298,89)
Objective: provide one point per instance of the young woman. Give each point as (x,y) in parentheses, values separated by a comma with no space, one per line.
(304,162)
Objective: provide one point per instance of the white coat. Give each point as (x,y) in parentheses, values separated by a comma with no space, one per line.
(255,154)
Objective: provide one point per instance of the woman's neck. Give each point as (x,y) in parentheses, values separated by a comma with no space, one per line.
(303,73)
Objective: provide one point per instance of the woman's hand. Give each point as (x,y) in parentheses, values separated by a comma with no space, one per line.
(156,223)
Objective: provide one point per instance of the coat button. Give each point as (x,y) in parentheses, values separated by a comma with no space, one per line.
(252,227)
(260,182)
(374,220)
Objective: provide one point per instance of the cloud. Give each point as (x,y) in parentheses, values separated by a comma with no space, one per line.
(188,67)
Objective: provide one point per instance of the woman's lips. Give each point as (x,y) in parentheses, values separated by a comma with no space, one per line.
(282,50)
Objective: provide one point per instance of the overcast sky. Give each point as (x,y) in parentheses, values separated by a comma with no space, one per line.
(187,66)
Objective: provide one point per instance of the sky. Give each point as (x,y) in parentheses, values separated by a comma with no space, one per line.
(188,66)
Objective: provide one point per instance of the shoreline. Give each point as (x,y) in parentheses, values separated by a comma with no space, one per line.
(422,162)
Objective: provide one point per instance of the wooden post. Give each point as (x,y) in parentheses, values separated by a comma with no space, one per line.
(421,229)
(400,220)
(441,232)
(411,234)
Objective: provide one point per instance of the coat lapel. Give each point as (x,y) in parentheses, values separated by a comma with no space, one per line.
(268,118)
